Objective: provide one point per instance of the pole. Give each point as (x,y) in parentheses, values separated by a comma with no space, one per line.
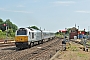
(88,29)
(78,33)
(88,33)
(6,30)
(6,34)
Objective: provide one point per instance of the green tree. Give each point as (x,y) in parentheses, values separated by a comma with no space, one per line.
(11,28)
(34,27)
(14,27)
(1,24)
(9,23)
(69,30)
(1,21)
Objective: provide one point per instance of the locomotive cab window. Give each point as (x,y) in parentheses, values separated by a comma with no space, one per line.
(22,32)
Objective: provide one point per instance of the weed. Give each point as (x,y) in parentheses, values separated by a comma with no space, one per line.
(81,55)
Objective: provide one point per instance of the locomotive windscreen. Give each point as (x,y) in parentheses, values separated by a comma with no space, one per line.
(22,31)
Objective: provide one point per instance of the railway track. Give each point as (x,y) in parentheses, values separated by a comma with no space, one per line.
(6,45)
(46,52)
(9,43)
(42,52)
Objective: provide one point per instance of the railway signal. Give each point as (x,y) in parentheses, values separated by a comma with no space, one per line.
(5,41)
(4,24)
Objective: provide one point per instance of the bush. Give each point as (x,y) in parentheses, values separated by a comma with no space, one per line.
(12,34)
(0,31)
(2,35)
(9,35)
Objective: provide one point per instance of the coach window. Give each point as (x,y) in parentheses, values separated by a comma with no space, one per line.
(32,35)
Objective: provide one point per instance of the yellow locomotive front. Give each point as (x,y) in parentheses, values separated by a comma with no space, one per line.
(21,38)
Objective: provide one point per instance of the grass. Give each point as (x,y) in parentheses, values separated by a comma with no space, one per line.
(58,35)
(73,48)
(81,55)
(64,55)
(88,42)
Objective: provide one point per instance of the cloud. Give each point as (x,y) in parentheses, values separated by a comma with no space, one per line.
(82,11)
(2,9)
(22,11)
(17,11)
(36,0)
(20,6)
(63,2)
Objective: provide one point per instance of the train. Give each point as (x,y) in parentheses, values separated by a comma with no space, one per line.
(26,37)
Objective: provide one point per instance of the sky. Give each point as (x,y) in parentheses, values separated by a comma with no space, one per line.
(51,15)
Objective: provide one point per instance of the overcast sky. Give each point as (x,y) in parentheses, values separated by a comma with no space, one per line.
(49,14)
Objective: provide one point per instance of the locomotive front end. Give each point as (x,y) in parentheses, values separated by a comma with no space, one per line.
(21,38)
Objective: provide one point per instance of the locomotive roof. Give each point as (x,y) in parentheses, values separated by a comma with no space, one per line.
(31,29)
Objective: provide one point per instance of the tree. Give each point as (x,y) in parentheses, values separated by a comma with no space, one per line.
(1,21)
(9,25)
(69,30)
(14,27)
(34,27)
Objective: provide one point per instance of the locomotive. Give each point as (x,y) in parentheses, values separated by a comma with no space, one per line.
(25,37)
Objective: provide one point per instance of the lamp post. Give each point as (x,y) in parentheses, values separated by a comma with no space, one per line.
(78,33)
